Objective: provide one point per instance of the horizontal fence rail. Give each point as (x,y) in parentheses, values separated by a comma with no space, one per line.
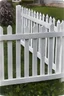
(37,38)
(30,36)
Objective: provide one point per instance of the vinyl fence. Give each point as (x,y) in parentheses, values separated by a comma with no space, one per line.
(41,36)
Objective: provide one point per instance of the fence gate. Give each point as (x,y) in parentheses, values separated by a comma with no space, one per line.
(41,39)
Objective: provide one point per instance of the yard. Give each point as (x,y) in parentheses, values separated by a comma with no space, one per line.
(46,88)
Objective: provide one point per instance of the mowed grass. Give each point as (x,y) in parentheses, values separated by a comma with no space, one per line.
(57,13)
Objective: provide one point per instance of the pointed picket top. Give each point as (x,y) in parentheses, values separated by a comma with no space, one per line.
(46,15)
(47,18)
(52,28)
(62,26)
(35,28)
(43,17)
(54,21)
(50,20)
(9,29)
(29,11)
(1,30)
(24,10)
(40,16)
(37,15)
(58,25)
(40,13)
(34,14)
(58,22)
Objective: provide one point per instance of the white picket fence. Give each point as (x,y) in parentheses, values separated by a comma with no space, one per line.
(41,36)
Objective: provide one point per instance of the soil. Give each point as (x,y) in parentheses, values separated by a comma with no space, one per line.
(56,4)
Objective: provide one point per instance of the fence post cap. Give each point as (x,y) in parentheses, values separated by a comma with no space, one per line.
(18,6)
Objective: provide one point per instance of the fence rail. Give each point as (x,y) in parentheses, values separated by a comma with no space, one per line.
(43,41)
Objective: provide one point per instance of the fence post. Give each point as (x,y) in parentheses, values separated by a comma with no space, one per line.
(18,19)
(18,46)
(58,49)
(1,56)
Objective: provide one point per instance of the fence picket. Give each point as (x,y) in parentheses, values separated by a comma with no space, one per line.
(29,20)
(26,58)
(34,17)
(18,18)
(1,56)
(34,55)
(62,65)
(22,19)
(50,51)
(53,21)
(50,20)
(42,52)
(37,15)
(18,56)
(47,18)
(34,58)
(31,25)
(35,30)
(43,17)
(58,50)
(9,44)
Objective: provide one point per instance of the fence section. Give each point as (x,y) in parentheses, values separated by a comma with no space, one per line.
(51,74)
(29,21)
(41,36)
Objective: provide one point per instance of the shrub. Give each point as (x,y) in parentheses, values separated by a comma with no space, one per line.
(6,13)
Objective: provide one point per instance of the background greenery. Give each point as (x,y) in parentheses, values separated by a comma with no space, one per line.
(46,88)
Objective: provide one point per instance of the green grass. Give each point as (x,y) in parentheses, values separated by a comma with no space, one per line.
(56,12)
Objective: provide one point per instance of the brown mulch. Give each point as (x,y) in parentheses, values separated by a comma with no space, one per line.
(56,4)
(51,4)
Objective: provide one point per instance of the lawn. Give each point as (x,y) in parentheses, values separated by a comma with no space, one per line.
(58,13)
